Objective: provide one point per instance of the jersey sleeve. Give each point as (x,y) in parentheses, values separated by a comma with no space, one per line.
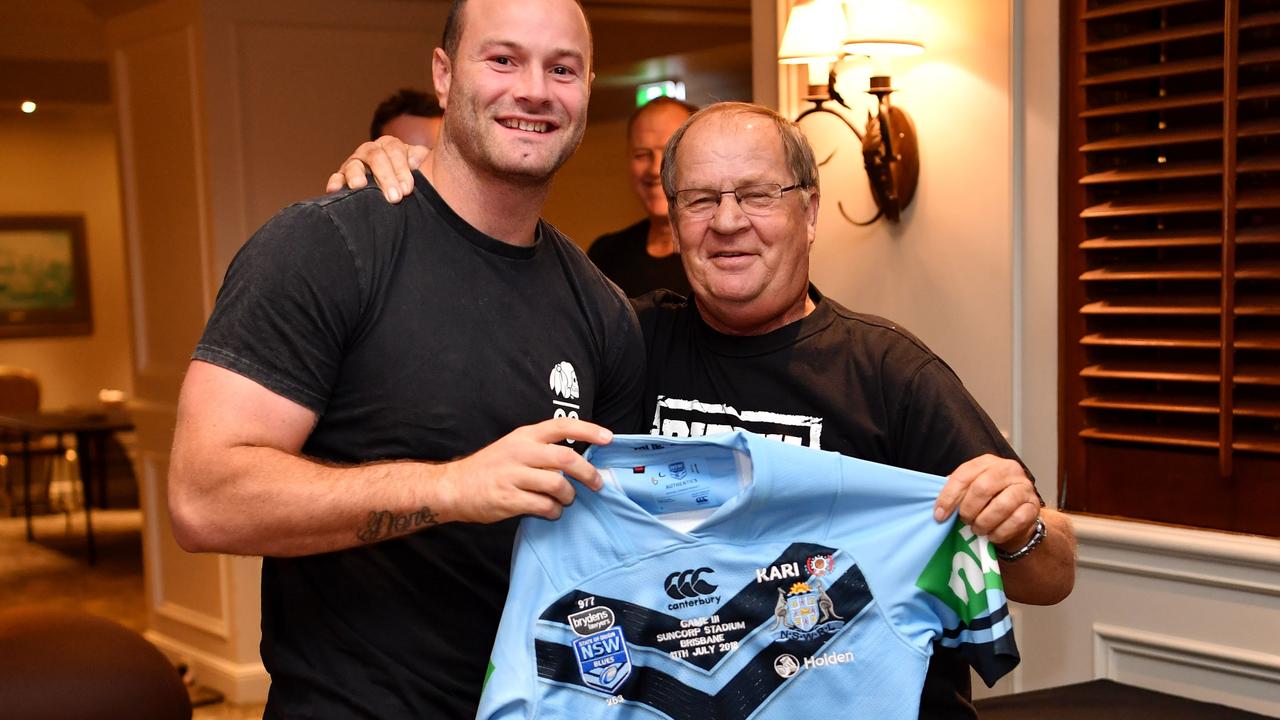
(937,582)
(961,583)
(287,305)
(510,686)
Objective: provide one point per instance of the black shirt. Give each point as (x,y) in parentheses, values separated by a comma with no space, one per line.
(623,257)
(837,380)
(412,335)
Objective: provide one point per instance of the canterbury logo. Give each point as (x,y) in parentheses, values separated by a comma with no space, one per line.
(689,584)
(564,381)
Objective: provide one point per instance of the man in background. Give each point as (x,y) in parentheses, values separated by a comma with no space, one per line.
(642,257)
(411,115)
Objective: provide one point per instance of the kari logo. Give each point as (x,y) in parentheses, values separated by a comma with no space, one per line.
(786,665)
(781,571)
(603,660)
(564,381)
(689,584)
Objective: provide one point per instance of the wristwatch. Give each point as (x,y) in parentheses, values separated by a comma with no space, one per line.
(1036,538)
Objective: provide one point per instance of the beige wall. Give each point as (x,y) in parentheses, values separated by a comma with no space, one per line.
(591,195)
(944,271)
(63,161)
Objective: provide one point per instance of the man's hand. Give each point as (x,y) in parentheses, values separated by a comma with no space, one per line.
(995,498)
(391,161)
(520,473)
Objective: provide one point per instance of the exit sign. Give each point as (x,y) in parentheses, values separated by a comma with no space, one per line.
(662,88)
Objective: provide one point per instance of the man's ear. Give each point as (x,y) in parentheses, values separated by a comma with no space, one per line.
(441,75)
(811,216)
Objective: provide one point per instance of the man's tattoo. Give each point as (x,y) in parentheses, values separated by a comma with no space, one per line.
(384,524)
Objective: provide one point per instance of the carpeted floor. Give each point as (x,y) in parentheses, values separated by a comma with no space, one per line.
(54,571)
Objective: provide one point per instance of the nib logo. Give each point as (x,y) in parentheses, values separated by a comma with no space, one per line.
(564,381)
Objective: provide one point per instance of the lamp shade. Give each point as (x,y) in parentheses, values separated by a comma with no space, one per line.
(881,28)
(815,32)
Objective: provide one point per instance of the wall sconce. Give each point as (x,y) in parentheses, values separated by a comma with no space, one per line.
(818,35)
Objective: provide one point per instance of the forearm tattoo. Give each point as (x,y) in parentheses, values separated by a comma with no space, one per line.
(383,524)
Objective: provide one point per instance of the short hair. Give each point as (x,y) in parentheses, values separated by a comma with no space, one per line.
(657,104)
(453,31)
(799,154)
(406,101)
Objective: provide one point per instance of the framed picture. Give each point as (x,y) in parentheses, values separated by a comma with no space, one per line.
(44,276)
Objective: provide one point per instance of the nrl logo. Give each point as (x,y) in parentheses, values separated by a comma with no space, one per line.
(805,612)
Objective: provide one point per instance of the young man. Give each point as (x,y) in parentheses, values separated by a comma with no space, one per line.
(382,389)
(641,258)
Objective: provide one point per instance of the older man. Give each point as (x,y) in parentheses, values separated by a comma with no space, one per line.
(757,346)
(368,407)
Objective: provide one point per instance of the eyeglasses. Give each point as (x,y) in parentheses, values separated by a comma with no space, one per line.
(753,199)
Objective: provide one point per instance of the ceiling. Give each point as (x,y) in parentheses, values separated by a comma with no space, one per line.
(55,48)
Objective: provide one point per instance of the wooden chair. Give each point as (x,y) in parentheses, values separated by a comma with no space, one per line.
(20,393)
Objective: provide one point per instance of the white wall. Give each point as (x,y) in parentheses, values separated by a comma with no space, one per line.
(972,269)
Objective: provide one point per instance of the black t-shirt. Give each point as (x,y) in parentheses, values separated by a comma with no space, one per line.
(623,257)
(837,380)
(412,335)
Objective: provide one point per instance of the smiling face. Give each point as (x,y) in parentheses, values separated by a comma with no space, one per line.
(516,91)
(645,144)
(749,273)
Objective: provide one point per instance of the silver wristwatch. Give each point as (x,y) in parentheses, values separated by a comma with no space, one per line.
(1036,538)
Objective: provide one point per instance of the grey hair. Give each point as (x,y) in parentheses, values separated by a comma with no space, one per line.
(796,148)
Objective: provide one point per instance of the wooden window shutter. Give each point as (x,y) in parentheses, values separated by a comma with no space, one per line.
(1170,261)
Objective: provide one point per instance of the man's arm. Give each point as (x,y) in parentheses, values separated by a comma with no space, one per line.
(389,160)
(996,498)
(237,483)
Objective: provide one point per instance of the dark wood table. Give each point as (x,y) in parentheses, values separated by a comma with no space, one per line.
(1104,700)
(91,429)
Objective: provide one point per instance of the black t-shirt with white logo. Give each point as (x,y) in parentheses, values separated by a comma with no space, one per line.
(837,380)
(412,335)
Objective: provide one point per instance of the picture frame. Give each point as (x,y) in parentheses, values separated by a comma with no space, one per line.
(44,276)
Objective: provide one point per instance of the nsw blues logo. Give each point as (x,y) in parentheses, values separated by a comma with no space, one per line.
(805,612)
(603,659)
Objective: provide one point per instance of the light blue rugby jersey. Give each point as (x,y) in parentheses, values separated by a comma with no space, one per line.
(806,584)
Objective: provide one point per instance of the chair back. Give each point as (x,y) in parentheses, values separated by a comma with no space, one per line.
(57,664)
(19,390)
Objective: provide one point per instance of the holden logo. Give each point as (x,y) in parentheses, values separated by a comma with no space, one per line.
(786,665)
(689,584)
(564,381)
